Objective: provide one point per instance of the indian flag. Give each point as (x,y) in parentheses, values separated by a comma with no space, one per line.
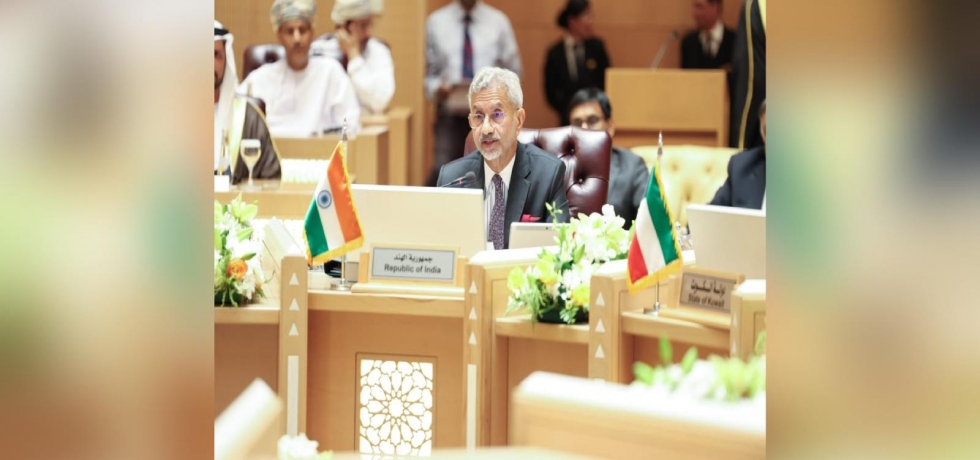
(654,250)
(332,227)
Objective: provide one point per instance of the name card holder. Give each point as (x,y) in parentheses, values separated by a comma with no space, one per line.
(411,270)
(703,296)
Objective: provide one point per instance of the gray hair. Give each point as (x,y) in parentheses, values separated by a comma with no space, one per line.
(489,77)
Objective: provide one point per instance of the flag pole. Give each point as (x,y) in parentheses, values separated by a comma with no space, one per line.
(660,153)
(342,284)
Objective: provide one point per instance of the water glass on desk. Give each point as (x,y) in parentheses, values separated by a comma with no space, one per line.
(251,149)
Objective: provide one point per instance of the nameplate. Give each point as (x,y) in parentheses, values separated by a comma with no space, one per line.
(414,264)
(222,183)
(707,289)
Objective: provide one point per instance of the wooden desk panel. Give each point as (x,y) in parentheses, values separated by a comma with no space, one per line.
(689,106)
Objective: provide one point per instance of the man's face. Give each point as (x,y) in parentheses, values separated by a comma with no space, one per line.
(762,126)
(589,115)
(467,4)
(296,35)
(581,26)
(361,29)
(219,63)
(705,14)
(501,122)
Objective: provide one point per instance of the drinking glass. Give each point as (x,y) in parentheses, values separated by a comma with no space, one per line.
(250,150)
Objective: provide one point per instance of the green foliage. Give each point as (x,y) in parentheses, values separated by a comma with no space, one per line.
(559,280)
(734,379)
(232,228)
(760,344)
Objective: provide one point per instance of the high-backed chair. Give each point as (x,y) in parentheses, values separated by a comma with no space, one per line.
(690,173)
(586,154)
(258,55)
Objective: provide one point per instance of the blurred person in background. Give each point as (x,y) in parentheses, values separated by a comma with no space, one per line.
(748,76)
(461,38)
(577,61)
(237,117)
(709,46)
(367,60)
(628,174)
(745,186)
(304,95)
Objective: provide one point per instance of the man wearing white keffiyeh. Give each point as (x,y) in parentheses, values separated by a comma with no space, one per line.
(237,116)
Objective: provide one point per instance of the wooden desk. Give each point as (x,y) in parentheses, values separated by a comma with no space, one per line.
(689,106)
(399,122)
(616,421)
(630,335)
(283,203)
(355,352)
(367,158)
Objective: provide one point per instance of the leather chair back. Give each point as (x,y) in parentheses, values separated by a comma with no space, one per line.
(258,55)
(690,173)
(586,154)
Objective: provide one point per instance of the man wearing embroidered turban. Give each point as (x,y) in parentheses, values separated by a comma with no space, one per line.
(304,95)
(367,60)
(237,117)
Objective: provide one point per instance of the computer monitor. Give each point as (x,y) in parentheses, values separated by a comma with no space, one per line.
(532,235)
(729,239)
(422,216)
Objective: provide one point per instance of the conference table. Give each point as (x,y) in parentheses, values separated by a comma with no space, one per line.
(442,368)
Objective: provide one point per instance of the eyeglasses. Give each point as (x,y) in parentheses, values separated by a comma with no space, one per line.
(496,118)
(589,123)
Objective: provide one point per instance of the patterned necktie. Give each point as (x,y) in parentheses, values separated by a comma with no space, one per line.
(497,213)
(467,48)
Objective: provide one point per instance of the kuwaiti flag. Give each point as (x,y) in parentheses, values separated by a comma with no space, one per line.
(332,227)
(654,251)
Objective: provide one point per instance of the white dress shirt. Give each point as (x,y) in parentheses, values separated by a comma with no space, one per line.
(491,36)
(372,73)
(488,193)
(303,103)
(712,39)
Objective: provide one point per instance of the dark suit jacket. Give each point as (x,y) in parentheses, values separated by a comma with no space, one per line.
(538,178)
(694,57)
(628,181)
(746,183)
(558,84)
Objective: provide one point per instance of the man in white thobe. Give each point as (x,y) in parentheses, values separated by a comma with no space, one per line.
(304,96)
(367,60)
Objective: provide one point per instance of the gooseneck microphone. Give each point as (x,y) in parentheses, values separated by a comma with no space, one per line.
(465,179)
(663,49)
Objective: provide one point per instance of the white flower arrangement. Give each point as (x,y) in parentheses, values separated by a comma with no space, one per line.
(238,274)
(300,448)
(557,286)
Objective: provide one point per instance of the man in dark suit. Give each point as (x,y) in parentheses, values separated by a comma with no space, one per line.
(745,186)
(577,61)
(710,46)
(628,174)
(748,77)
(517,179)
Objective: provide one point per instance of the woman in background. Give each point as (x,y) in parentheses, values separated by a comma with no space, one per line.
(577,61)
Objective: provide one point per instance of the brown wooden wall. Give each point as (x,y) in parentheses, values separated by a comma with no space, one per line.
(632,29)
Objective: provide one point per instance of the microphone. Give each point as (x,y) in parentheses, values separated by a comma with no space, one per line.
(465,179)
(663,49)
